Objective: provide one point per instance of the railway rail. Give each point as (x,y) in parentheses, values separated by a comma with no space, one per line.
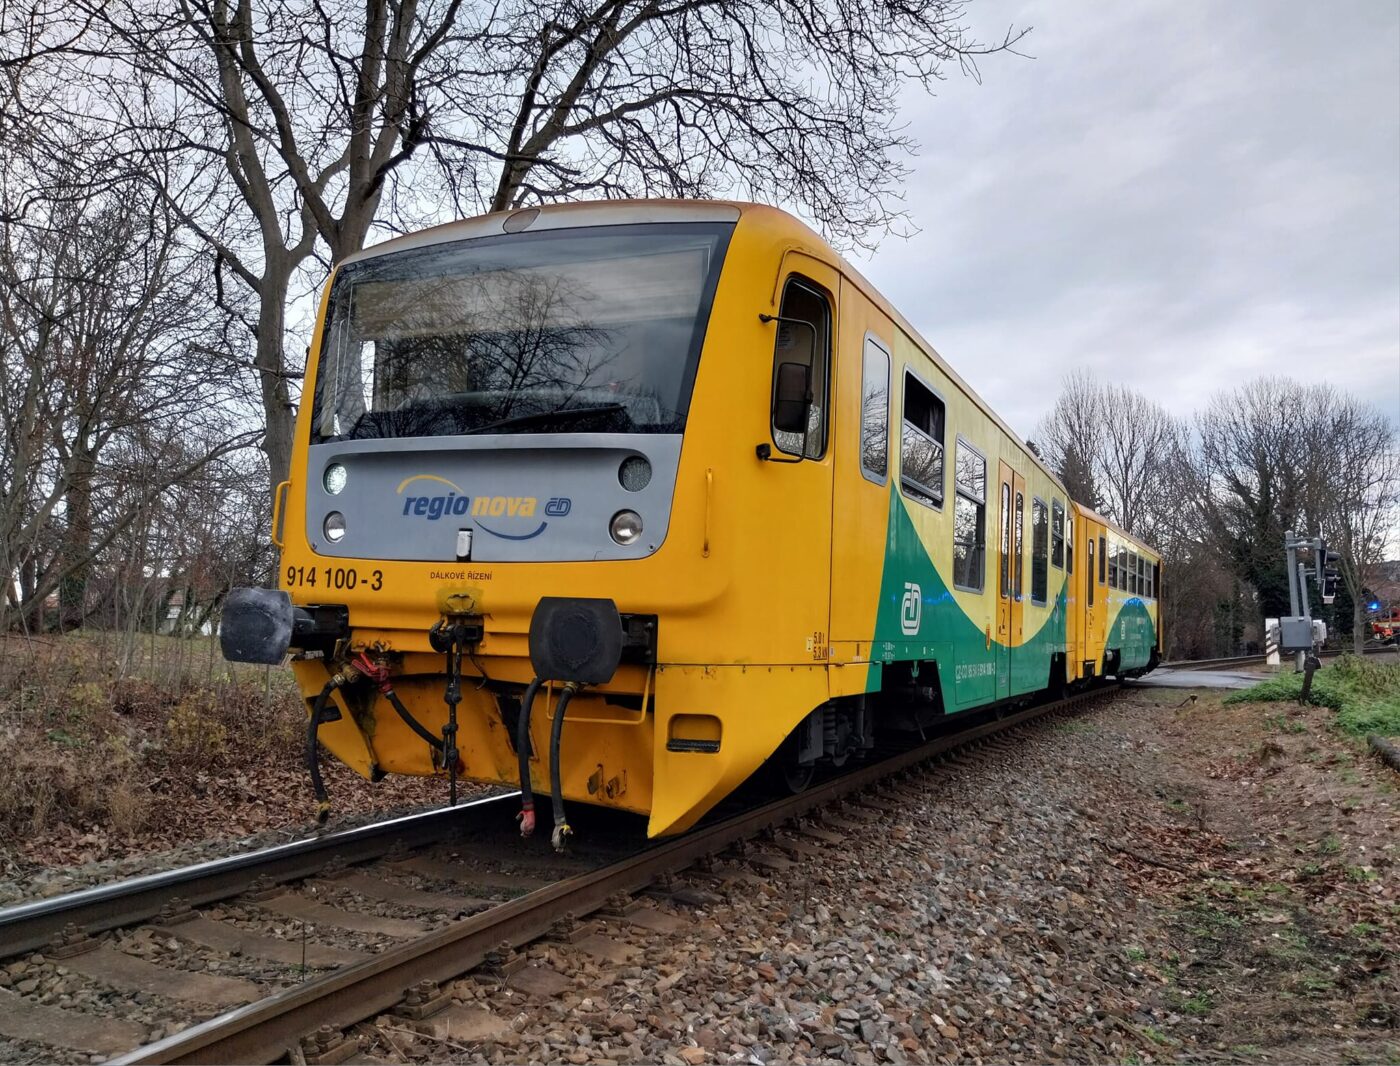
(1258,660)
(266,1028)
(28,926)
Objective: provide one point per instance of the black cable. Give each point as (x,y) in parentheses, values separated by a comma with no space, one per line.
(522,754)
(561,826)
(313,764)
(452,697)
(434,741)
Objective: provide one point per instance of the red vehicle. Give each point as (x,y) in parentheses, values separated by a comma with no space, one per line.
(1385,627)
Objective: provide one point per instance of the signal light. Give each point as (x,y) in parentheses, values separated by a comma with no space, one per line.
(1327,574)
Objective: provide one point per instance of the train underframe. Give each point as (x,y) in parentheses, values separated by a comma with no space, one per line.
(657,740)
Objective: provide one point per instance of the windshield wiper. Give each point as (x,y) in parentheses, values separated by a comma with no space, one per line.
(569,413)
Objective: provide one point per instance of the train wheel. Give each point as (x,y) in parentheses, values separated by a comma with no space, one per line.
(797,778)
(786,775)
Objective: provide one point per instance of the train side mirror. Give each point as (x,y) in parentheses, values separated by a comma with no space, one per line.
(792,397)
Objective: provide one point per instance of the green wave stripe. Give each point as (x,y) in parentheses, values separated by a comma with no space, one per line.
(970,672)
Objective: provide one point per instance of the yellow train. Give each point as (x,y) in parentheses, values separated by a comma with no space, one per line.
(638,497)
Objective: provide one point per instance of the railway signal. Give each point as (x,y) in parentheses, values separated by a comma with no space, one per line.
(1300,633)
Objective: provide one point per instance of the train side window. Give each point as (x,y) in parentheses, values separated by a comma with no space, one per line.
(1005,539)
(921,443)
(1103,560)
(1057,534)
(1040,550)
(1020,540)
(1147,579)
(1157,579)
(1112,565)
(1069,546)
(1089,574)
(1135,573)
(804,339)
(875,412)
(969,518)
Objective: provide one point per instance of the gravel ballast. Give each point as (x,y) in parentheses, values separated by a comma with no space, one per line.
(1037,902)
(1161,878)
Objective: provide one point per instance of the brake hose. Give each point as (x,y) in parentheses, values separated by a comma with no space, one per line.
(522,754)
(313,765)
(435,742)
(561,827)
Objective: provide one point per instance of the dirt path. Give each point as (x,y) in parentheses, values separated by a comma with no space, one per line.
(1272,856)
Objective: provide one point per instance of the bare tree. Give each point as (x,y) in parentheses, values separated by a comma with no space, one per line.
(1362,497)
(100,411)
(1072,435)
(1279,455)
(1116,451)
(282,131)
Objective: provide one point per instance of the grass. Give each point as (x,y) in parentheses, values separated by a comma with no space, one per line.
(1365,694)
(1198,1004)
(1075,727)
(83,743)
(1156,1036)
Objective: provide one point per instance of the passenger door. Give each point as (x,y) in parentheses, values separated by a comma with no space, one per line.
(865,467)
(1011,524)
(1089,595)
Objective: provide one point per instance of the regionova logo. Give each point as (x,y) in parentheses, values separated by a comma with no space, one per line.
(432,506)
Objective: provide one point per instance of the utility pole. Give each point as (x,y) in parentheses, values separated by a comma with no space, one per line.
(1301,634)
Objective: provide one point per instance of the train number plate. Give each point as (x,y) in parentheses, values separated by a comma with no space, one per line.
(334,578)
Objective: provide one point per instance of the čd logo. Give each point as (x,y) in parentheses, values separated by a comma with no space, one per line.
(911,609)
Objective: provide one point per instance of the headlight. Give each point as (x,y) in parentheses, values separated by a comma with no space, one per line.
(625,527)
(334,478)
(335,526)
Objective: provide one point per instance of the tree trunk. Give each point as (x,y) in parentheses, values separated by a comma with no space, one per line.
(72,591)
(276,399)
(1358,625)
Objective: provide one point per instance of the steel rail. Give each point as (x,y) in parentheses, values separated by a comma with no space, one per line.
(27,926)
(262,1032)
(1248,660)
(1211,664)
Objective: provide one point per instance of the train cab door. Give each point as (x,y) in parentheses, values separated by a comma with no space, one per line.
(1011,525)
(797,501)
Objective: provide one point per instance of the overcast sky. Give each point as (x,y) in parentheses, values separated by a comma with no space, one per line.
(1179,195)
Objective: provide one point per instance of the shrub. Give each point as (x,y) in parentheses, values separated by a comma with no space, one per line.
(1364,693)
(83,746)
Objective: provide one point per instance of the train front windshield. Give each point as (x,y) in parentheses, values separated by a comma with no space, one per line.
(594,330)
